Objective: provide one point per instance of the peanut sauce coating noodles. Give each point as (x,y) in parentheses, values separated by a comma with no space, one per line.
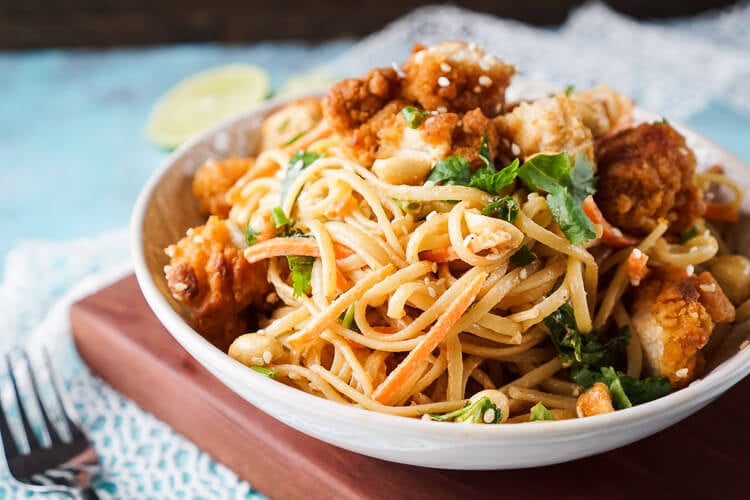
(413,244)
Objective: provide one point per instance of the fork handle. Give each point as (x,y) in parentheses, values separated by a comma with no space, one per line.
(87,493)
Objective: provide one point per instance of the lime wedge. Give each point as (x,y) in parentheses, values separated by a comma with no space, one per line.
(305,82)
(200,100)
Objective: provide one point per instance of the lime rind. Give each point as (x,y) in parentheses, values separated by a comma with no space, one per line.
(203,99)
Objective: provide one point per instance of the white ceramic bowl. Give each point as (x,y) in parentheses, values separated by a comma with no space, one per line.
(398,439)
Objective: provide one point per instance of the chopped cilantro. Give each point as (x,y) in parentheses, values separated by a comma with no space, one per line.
(414,116)
(295,138)
(455,170)
(587,349)
(347,319)
(484,152)
(626,391)
(540,412)
(452,170)
(492,181)
(301,272)
(474,412)
(566,187)
(523,257)
(265,371)
(689,235)
(251,235)
(505,208)
(298,162)
(569,89)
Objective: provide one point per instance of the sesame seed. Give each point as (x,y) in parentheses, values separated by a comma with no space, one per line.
(199,239)
(690,270)
(485,81)
(489,416)
(477,89)
(682,372)
(256,360)
(442,109)
(426,417)
(167,269)
(445,67)
(744,344)
(419,56)
(443,82)
(523,274)
(267,356)
(708,287)
(169,251)
(293,376)
(515,149)
(484,65)
(180,287)
(189,232)
(693,249)
(431,292)
(637,253)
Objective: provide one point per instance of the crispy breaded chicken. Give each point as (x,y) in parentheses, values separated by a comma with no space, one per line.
(290,122)
(674,315)
(458,77)
(595,401)
(208,274)
(646,173)
(212,181)
(547,125)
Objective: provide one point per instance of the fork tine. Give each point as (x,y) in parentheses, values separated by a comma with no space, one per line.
(54,437)
(30,436)
(9,443)
(75,431)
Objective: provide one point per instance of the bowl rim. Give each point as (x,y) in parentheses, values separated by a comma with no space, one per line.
(699,392)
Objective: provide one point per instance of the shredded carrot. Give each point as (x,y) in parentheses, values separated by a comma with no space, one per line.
(320,321)
(447,254)
(388,388)
(721,212)
(341,281)
(385,329)
(637,268)
(611,235)
(277,247)
(340,208)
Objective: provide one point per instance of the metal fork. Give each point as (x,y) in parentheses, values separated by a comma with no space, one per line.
(66,465)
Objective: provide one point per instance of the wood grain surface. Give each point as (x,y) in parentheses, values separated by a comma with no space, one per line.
(705,456)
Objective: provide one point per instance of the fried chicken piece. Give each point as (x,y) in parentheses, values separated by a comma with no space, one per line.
(595,401)
(212,181)
(290,122)
(548,125)
(208,274)
(674,315)
(603,110)
(456,77)
(352,102)
(646,173)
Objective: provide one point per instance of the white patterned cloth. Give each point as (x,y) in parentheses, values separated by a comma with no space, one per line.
(674,69)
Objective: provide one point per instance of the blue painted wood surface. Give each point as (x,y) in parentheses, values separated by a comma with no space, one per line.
(74,155)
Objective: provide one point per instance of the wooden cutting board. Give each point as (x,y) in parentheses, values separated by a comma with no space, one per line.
(705,456)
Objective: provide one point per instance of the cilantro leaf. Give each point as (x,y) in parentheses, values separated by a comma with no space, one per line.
(577,349)
(523,257)
(540,412)
(626,391)
(414,116)
(567,211)
(452,170)
(265,371)
(492,181)
(484,152)
(689,235)
(297,163)
(505,208)
(569,89)
(483,410)
(566,186)
(347,319)
(301,272)
(251,235)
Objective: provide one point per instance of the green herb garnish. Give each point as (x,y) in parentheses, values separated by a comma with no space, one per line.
(522,257)
(626,391)
(505,209)
(569,89)
(251,235)
(414,116)
(540,412)
(279,217)
(347,319)
(582,349)
(481,411)
(456,170)
(566,187)
(295,138)
(265,371)
(301,271)
(297,163)
(689,235)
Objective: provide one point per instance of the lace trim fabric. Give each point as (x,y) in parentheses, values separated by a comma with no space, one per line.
(674,69)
